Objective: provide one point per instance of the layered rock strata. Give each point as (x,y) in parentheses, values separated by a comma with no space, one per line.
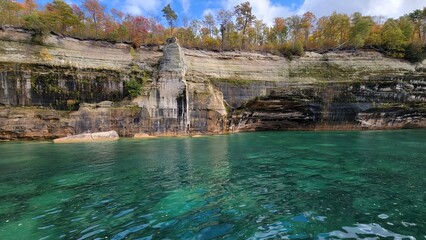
(166,105)
(56,86)
(343,90)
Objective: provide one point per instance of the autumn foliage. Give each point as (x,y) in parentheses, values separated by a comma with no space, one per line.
(234,29)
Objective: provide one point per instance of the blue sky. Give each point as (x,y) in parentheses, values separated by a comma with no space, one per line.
(264,9)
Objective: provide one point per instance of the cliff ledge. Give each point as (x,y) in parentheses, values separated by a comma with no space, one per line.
(57,86)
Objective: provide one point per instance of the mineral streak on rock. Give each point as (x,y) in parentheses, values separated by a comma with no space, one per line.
(167,102)
(64,86)
(173,105)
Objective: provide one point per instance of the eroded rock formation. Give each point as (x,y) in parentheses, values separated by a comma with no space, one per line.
(166,104)
(343,90)
(57,86)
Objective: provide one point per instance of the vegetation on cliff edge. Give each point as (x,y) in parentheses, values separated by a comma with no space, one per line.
(235,29)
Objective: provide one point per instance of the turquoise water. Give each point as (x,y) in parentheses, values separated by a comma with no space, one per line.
(266,185)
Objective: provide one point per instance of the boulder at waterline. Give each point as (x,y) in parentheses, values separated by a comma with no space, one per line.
(89,137)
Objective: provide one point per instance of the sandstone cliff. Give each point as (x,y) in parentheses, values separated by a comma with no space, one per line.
(343,90)
(57,86)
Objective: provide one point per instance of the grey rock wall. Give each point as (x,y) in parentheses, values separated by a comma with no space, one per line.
(167,102)
(175,105)
(53,89)
(57,87)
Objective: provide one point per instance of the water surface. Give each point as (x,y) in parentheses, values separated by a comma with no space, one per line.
(266,185)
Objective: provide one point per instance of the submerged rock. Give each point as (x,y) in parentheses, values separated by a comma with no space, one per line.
(89,137)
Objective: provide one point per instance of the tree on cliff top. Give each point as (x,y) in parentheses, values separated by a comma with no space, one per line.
(307,24)
(209,23)
(29,6)
(402,37)
(138,28)
(360,30)
(59,16)
(245,19)
(418,17)
(96,12)
(170,16)
(224,17)
(10,12)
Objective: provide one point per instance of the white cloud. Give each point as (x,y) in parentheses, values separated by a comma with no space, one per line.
(387,8)
(186,4)
(144,7)
(138,7)
(70,2)
(209,11)
(267,10)
(263,9)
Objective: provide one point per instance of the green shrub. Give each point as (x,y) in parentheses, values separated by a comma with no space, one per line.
(133,87)
(34,22)
(297,49)
(415,52)
(289,50)
(285,50)
(133,54)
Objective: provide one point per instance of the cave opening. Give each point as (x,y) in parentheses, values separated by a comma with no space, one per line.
(181,105)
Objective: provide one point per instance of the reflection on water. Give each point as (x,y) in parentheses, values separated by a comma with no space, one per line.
(291,185)
(367,230)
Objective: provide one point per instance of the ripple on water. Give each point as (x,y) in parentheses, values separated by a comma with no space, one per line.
(215,231)
(312,186)
(7,207)
(127,232)
(273,230)
(50,199)
(242,187)
(316,163)
(72,179)
(327,145)
(124,212)
(179,202)
(372,230)
(17,189)
(20,229)
(300,148)
(91,234)
(163,225)
(368,204)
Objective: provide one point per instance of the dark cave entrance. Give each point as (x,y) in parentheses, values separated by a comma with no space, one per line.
(181,104)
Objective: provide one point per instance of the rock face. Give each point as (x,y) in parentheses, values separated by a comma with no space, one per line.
(167,101)
(35,123)
(344,90)
(175,105)
(59,73)
(89,137)
(58,87)
(55,86)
